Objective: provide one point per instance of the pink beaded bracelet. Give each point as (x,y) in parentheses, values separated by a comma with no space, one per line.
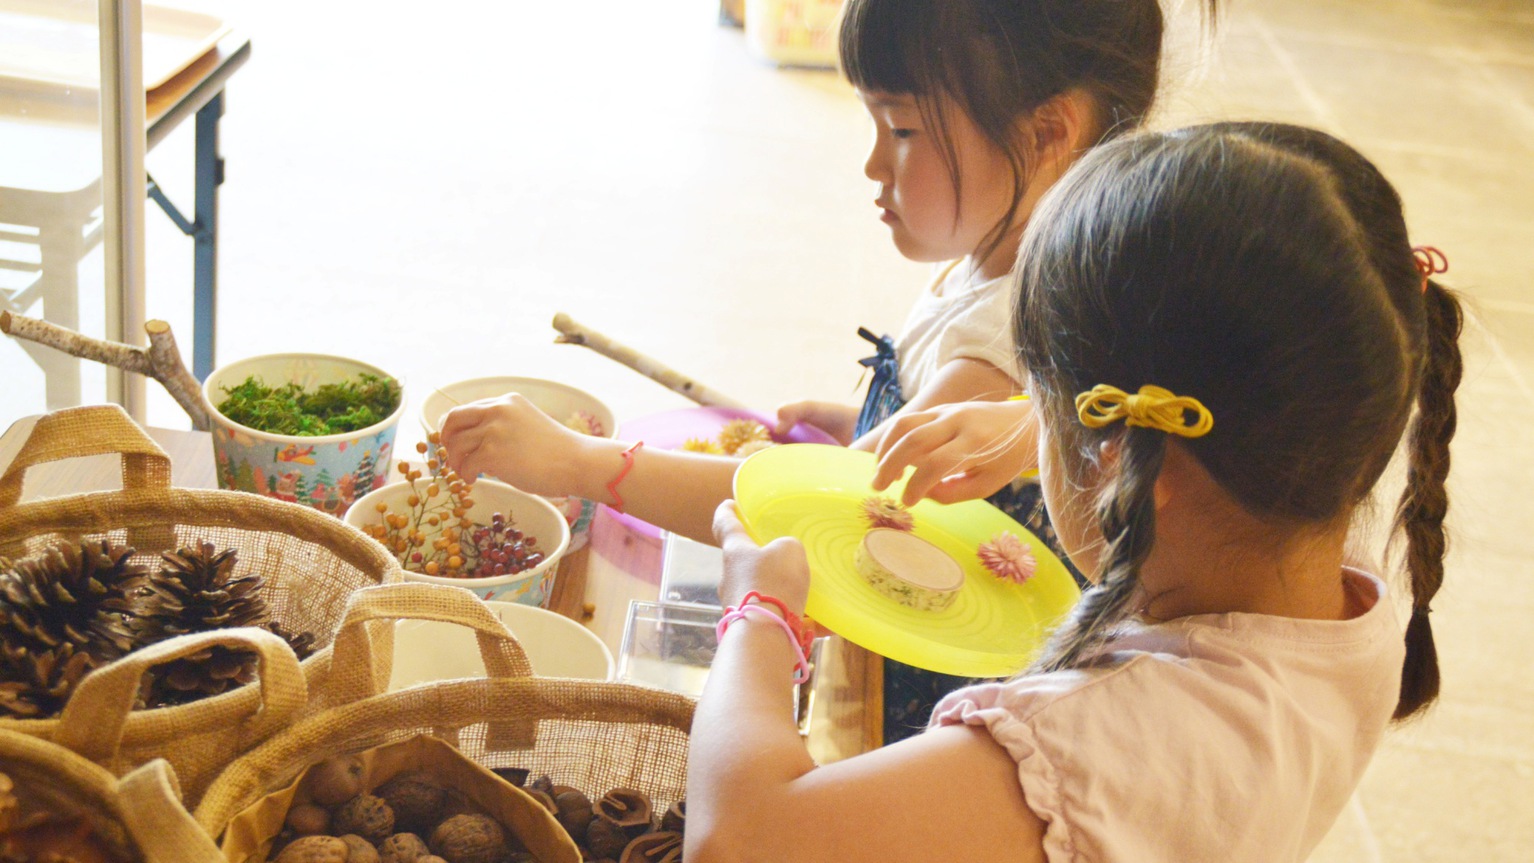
(801,664)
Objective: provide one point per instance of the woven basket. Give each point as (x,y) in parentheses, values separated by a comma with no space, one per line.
(138,817)
(310,562)
(590,735)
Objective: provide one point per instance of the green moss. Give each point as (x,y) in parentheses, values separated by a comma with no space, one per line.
(331,409)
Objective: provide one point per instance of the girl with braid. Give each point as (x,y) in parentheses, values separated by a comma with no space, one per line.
(1226,335)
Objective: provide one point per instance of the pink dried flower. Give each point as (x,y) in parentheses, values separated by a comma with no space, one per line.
(886,512)
(586,423)
(1008,557)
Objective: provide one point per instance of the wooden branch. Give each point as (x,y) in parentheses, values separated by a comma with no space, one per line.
(161,360)
(572,333)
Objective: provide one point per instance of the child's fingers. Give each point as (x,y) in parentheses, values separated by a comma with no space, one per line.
(920,447)
(728,531)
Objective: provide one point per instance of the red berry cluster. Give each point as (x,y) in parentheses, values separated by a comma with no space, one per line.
(504,550)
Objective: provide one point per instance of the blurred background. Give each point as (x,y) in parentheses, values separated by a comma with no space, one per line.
(424,187)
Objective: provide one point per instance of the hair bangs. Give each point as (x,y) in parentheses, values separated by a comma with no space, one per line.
(885,46)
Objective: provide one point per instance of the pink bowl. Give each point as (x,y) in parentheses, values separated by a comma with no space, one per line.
(671,429)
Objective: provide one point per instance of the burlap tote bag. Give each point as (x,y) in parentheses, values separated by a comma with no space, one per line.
(310,563)
(136,818)
(593,736)
(198,739)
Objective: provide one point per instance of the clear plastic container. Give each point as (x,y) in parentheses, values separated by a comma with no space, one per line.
(668,646)
(690,572)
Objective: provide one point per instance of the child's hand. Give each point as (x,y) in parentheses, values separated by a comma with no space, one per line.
(834,419)
(961,451)
(778,568)
(513,441)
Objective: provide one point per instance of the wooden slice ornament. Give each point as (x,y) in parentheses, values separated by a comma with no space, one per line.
(909,569)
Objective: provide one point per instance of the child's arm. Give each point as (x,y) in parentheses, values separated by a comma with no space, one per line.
(960,451)
(511,439)
(755,794)
(961,380)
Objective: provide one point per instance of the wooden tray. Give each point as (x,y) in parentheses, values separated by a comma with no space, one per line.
(54,43)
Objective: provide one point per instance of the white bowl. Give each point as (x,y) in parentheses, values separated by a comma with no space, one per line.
(531,514)
(427,650)
(558,400)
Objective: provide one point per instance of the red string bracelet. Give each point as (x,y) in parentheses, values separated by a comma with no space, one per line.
(802,634)
(801,664)
(628,465)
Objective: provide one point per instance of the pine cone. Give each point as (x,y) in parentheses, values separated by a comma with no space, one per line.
(81,596)
(196,591)
(36,684)
(302,642)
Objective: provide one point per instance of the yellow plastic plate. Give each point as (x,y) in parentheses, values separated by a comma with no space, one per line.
(994,628)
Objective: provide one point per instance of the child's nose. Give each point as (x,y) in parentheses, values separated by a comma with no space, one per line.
(875,167)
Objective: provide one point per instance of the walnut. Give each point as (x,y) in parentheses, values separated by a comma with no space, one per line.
(675,818)
(574,813)
(315,849)
(307,819)
(361,850)
(470,839)
(605,839)
(659,847)
(627,808)
(365,815)
(545,801)
(417,801)
(335,780)
(402,848)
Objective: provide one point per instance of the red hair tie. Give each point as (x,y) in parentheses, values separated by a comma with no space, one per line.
(1430,261)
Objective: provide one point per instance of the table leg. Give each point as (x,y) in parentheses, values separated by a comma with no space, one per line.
(209,173)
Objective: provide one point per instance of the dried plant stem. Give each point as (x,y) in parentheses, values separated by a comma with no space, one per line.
(572,333)
(160,360)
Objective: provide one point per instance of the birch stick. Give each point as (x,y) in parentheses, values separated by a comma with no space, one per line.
(161,360)
(572,333)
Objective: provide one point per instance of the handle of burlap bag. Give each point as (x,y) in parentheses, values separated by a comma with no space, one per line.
(158,821)
(96,714)
(359,668)
(87,431)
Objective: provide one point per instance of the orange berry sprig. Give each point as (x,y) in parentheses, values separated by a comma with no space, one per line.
(431,536)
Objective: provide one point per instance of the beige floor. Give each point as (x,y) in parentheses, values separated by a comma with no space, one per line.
(427,190)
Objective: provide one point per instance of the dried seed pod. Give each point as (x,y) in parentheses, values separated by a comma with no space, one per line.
(662,846)
(402,848)
(417,800)
(628,808)
(605,839)
(315,849)
(430,858)
(307,819)
(359,850)
(542,783)
(470,839)
(574,813)
(335,780)
(675,818)
(365,815)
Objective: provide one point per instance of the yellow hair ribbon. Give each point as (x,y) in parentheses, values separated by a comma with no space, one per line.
(1152,407)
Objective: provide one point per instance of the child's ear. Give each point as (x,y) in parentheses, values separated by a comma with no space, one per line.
(1062,125)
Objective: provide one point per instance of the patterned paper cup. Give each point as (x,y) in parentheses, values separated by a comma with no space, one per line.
(327,472)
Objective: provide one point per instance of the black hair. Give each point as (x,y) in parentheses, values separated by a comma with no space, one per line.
(1265,270)
(1000,60)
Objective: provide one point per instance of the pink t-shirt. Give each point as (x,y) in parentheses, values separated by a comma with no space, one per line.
(1217,737)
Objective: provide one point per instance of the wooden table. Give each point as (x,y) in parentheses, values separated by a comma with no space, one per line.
(844,704)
